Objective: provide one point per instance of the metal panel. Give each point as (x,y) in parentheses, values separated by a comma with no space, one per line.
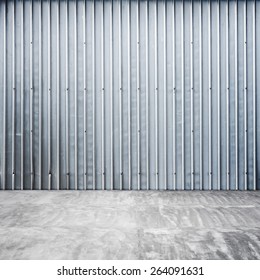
(129,95)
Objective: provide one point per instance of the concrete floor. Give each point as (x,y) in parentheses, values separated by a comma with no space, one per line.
(129,225)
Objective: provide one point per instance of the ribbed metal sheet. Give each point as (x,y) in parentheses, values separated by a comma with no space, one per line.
(130,95)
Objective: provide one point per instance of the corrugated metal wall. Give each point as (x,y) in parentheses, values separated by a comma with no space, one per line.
(130,95)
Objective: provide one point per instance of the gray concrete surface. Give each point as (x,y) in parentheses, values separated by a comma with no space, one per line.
(129,225)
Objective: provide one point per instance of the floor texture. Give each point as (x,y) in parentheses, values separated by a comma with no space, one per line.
(129,225)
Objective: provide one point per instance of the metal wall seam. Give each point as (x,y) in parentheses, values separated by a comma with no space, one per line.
(165,97)
(40,98)
(245,94)
(84,99)
(174,96)
(156,96)
(191,95)
(49,99)
(111,100)
(102,102)
(58,95)
(22,98)
(138,93)
(67,98)
(227,92)
(147,97)
(236,92)
(210,92)
(254,95)
(31,97)
(13,96)
(76,95)
(4,102)
(201,96)
(120,95)
(93,98)
(129,98)
(182,100)
(218,100)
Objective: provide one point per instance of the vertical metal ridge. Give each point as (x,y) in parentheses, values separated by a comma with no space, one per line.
(4,103)
(76,95)
(102,102)
(147,97)
(111,99)
(201,96)
(84,99)
(191,96)
(174,96)
(138,94)
(58,95)
(31,96)
(236,93)
(165,96)
(218,100)
(120,94)
(93,98)
(156,95)
(129,98)
(182,101)
(227,92)
(67,99)
(40,97)
(210,92)
(245,94)
(13,96)
(22,99)
(49,99)
(254,96)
